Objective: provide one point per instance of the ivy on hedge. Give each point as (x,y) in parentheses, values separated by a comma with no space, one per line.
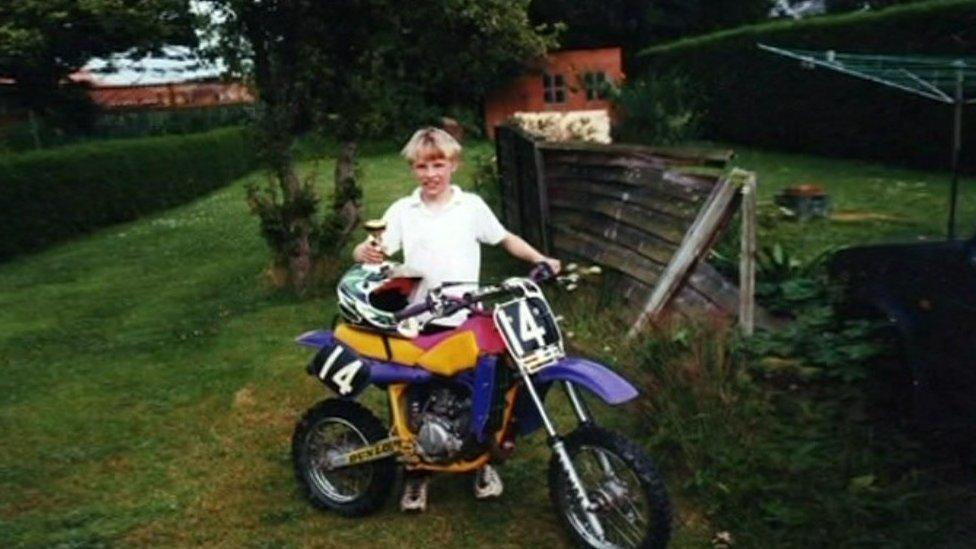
(49,195)
(755,97)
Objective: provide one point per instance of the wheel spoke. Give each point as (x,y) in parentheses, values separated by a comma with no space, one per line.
(623,535)
(625,515)
(337,435)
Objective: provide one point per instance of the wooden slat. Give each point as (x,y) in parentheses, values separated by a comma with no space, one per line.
(542,195)
(508,172)
(692,188)
(715,287)
(646,197)
(691,302)
(664,227)
(654,248)
(695,244)
(606,253)
(718,158)
(633,291)
(604,159)
(688,303)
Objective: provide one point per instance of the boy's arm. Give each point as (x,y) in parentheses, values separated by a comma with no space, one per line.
(521,249)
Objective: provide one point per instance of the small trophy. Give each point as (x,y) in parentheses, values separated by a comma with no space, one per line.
(375,228)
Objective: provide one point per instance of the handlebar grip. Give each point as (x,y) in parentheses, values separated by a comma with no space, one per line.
(412,310)
(541,272)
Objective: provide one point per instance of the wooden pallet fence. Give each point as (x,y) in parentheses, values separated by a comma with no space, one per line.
(649,214)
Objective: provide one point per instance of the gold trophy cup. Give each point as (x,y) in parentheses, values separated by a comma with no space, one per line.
(375,228)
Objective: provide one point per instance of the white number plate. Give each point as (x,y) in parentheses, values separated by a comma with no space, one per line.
(530,331)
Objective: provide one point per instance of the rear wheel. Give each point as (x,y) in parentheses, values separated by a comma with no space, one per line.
(631,501)
(334,427)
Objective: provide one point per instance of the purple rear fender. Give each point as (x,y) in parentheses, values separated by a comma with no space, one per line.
(315,339)
(596,378)
(380,373)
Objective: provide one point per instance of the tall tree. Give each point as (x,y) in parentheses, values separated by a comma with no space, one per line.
(358,67)
(835,6)
(636,24)
(43,41)
(624,23)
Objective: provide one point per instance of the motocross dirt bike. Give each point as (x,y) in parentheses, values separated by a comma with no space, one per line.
(458,398)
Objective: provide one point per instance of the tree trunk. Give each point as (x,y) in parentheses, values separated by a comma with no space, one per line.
(346,204)
(298,254)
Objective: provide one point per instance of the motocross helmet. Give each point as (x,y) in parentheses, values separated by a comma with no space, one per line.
(370,294)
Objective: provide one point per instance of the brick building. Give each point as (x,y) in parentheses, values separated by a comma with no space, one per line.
(171,95)
(570,80)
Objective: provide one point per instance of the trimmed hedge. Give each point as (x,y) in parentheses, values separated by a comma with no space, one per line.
(50,195)
(755,97)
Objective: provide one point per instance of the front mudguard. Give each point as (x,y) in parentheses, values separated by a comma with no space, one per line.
(594,377)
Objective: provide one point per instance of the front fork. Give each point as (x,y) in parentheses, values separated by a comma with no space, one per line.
(556,443)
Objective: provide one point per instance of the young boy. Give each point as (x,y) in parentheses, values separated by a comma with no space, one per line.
(440,228)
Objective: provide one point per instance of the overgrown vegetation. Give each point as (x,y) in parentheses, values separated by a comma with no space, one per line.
(776,441)
(664,109)
(778,456)
(25,136)
(757,98)
(47,196)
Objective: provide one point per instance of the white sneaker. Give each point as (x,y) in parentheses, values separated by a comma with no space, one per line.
(487,483)
(414,493)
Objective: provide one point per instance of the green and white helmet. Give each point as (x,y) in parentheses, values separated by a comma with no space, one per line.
(369,294)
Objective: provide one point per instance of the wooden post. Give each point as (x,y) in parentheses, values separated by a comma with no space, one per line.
(695,244)
(35,128)
(542,194)
(747,261)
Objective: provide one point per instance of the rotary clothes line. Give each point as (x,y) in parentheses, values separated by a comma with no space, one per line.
(946,79)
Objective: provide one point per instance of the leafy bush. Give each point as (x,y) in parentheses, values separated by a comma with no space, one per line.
(754,97)
(816,343)
(50,195)
(775,454)
(20,137)
(659,110)
(486,181)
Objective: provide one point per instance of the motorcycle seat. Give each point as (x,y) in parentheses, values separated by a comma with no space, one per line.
(451,353)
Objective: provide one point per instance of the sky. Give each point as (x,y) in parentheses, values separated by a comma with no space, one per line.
(177,64)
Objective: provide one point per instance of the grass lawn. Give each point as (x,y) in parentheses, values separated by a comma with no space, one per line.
(872,203)
(149,386)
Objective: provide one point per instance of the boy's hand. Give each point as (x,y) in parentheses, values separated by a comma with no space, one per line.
(367,252)
(554,264)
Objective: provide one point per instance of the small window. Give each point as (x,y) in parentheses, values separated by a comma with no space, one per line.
(596,85)
(553,88)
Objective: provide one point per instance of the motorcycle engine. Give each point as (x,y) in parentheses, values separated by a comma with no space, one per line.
(440,415)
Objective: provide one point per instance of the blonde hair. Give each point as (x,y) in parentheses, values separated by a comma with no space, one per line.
(430,142)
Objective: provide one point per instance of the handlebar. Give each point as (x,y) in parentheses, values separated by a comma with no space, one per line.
(541,273)
(413,310)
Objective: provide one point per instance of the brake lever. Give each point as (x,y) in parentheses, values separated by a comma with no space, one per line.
(409,327)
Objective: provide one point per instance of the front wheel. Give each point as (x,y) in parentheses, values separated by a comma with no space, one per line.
(334,427)
(621,481)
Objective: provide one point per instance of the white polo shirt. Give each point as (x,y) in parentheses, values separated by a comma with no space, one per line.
(444,244)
